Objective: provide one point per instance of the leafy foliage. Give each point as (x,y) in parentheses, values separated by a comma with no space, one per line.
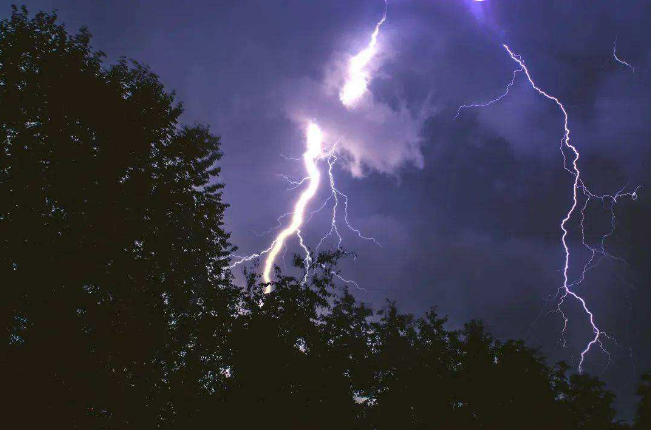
(643,418)
(114,255)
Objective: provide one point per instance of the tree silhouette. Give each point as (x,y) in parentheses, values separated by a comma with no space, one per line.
(643,417)
(590,404)
(114,255)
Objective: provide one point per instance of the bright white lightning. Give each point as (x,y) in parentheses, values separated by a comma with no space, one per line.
(358,75)
(312,153)
(353,89)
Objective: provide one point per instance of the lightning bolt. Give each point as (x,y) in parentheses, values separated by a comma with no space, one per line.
(495,100)
(597,253)
(353,89)
(566,289)
(314,151)
(335,194)
(310,157)
(619,60)
(279,224)
(292,183)
(358,76)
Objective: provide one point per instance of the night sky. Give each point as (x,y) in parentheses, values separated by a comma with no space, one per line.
(467,210)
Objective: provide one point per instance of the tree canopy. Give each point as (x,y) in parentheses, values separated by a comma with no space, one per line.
(114,256)
(119,310)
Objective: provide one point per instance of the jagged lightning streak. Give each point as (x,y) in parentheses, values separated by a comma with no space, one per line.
(357,79)
(279,224)
(495,100)
(599,253)
(307,261)
(292,183)
(314,151)
(619,60)
(566,289)
(335,194)
(332,159)
(353,89)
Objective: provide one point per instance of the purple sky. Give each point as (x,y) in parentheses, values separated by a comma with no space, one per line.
(467,210)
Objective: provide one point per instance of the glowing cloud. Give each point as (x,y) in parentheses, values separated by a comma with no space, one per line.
(353,89)
(358,76)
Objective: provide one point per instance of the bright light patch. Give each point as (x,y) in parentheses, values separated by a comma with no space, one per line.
(358,75)
(313,152)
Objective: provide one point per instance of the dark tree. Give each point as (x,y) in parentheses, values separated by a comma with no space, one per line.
(298,355)
(414,364)
(393,362)
(643,417)
(590,404)
(113,261)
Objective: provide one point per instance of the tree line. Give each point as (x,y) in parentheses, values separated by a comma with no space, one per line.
(119,310)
